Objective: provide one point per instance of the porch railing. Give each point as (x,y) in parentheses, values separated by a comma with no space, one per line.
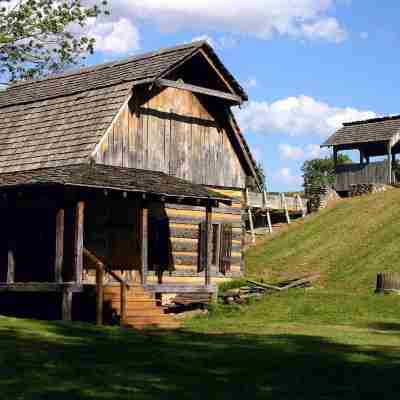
(101,270)
(353,174)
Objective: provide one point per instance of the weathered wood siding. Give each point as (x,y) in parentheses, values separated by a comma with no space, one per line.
(184,223)
(174,133)
(111,232)
(352,174)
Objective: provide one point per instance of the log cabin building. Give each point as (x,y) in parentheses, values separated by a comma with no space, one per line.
(121,183)
(378,137)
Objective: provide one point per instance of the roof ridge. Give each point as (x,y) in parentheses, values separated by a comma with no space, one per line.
(122,61)
(371,120)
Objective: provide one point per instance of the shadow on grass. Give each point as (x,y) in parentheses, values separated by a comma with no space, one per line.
(81,362)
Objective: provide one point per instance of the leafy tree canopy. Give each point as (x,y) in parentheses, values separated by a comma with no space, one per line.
(38,37)
(321,171)
(261,175)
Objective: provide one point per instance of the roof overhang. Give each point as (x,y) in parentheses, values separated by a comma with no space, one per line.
(124,182)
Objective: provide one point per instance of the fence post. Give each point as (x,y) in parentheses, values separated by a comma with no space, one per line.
(284,203)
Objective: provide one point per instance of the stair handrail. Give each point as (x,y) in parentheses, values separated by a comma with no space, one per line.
(101,268)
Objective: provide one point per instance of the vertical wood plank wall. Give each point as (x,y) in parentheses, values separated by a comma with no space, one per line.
(174,133)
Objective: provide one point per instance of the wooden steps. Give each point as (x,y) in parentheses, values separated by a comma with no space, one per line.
(142,310)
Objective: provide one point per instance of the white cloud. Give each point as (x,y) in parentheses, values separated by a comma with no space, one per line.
(285,175)
(251,83)
(289,152)
(223,42)
(308,19)
(297,116)
(324,29)
(119,36)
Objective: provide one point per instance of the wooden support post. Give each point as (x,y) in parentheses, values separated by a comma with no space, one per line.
(99,295)
(301,205)
(269,222)
(78,241)
(67,305)
(11,263)
(335,156)
(390,162)
(59,255)
(144,237)
(208,246)
(266,206)
(284,203)
(253,235)
(361,156)
(123,303)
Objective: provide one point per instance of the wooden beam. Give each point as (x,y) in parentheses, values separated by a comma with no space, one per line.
(59,255)
(78,240)
(123,303)
(208,246)
(99,295)
(67,305)
(43,287)
(219,73)
(199,89)
(335,156)
(266,206)
(144,238)
(11,263)
(253,234)
(176,288)
(390,162)
(284,203)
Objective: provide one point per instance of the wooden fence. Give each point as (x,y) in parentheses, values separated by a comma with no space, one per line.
(276,201)
(352,174)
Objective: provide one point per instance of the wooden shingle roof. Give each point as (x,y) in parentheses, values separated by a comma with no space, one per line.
(373,130)
(57,131)
(112,178)
(59,120)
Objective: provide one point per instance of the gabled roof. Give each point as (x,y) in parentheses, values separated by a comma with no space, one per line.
(59,120)
(58,131)
(113,178)
(135,69)
(372,130)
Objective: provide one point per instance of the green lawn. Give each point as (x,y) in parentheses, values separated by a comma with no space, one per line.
(338,340)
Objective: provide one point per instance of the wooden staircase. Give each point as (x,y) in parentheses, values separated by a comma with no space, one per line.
(142,310)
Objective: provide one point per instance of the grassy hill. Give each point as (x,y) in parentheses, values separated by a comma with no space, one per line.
(347,244)
(338,340)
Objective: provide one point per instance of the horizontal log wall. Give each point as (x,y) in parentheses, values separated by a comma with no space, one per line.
(184,223)
(173,132)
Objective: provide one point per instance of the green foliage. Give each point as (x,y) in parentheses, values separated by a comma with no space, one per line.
(321,171)
(38,37)
(261,175)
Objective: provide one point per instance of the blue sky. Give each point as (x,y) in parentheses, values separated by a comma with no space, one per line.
(308,65)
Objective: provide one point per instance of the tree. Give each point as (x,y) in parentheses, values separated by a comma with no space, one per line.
(261,175)
(321,171)
(38,37)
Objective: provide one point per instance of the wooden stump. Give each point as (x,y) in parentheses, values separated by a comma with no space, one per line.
(388,283)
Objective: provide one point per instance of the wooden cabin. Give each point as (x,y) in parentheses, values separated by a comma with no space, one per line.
(122,183)
(379,137)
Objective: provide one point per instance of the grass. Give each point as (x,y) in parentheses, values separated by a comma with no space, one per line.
(337,340)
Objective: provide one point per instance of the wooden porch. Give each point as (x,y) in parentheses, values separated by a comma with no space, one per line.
(54,240)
